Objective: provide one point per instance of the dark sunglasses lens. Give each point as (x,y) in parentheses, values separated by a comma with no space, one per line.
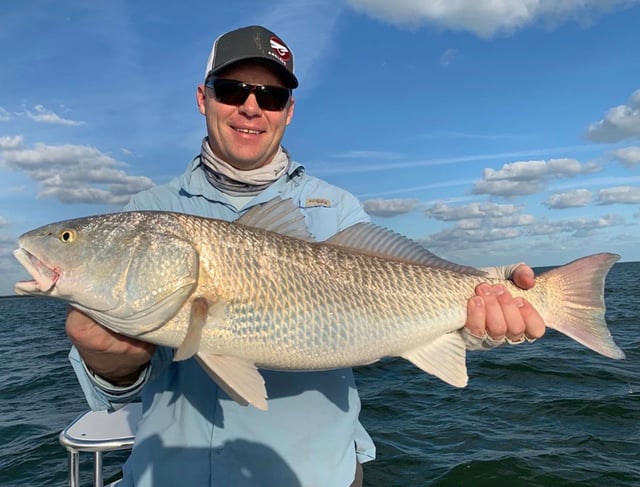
(232,92)
(272,97)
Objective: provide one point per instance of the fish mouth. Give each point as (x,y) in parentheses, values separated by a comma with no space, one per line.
(44,277)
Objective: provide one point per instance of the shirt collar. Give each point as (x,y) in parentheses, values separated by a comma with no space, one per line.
(195,183)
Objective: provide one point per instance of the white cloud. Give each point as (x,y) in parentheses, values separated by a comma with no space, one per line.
(448,56)
(463,237)
(10,143)
(527,177)
(5,116)
(628,156)
(570,199)
(495,222)
(619,195)
(476,223)
(483,18)
(460,237)
(513,221)
(442,211)
(486,227)
(579,227)
(398,161)
(392,207)
(619,123)
(42,115)
(506,189)
(76,174)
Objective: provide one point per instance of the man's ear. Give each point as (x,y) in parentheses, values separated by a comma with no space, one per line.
(292,102)
(201,98)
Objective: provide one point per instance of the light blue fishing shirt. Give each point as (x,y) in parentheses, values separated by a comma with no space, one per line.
(191,432)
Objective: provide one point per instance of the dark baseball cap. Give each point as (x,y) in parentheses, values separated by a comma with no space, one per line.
(253,43)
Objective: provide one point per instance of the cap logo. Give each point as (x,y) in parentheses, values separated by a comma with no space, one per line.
(279,49)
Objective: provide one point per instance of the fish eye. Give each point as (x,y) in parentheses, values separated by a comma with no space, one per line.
(67,235)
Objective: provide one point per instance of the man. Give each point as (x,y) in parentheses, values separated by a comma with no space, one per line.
(192,433)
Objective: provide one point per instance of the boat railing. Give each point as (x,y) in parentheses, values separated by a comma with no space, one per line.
(98,432)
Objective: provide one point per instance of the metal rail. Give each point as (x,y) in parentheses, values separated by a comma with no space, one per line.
(97,432)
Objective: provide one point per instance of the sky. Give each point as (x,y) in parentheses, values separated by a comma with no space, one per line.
(493,132)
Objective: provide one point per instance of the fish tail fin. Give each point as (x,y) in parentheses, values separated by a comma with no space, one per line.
(581,310)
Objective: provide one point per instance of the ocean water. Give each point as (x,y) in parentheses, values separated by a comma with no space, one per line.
(550,414)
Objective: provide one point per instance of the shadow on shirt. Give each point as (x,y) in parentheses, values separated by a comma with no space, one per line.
(191,431)
(187,380)
(158,465)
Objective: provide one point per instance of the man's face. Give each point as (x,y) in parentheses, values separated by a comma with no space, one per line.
(244,136)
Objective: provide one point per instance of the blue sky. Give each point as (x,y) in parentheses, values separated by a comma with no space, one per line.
(493,132)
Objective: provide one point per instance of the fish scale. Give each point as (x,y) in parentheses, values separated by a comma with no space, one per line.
(237,296)
(301,299)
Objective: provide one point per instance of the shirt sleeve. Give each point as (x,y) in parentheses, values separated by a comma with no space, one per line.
(365,448)
(102,395)
(99,394)
(351,211)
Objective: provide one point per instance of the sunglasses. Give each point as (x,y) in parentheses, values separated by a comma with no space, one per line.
(233,92)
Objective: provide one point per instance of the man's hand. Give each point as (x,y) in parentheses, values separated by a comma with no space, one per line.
(116,358)
(494,316)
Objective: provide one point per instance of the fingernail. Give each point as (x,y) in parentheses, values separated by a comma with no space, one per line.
(515,341)
(519,302)
(498,289)
(486,289)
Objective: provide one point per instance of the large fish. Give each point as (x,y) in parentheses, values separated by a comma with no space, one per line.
(260,293)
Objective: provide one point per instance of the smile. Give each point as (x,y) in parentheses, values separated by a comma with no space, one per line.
(248,131)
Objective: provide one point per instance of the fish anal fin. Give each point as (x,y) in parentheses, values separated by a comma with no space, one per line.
(444,357)
(239,378)
(197,320)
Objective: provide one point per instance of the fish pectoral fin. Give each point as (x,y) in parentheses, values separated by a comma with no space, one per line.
(239,378)
(445,358)
(197,320)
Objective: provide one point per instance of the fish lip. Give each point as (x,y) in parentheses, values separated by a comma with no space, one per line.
(44,277)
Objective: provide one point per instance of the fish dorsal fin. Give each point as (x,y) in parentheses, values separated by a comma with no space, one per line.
(237,377)
(389,244)
(444,357)
(279,216)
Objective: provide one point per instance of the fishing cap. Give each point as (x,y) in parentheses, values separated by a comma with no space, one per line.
(253,43)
